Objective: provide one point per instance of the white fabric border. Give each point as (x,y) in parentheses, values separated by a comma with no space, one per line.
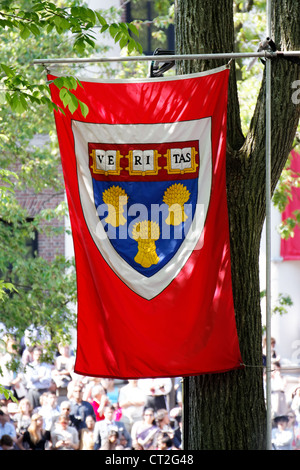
(56,72)
(146,287)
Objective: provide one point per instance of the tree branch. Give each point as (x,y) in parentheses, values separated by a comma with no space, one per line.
(200,35)
(285,111)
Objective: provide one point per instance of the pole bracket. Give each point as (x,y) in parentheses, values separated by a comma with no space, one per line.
(155,69)
(269,46)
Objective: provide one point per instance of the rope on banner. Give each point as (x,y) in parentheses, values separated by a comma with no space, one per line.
(261,366)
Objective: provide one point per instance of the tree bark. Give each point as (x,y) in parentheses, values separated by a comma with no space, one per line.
(228,410)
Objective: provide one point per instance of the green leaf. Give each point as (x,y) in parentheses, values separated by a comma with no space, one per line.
(79,44)
(66,82)
(18,103)
(104,28)
(25,32)
(70,83)
(75,11)
(50,27)
(69,99)
(131,45)
(118,36)
(8,70)
(89,41)
(133,29)
(34,29)
(123,42)
(113,30)
(59,82)
(101,20)
(91,15)
(63,95)
(139,47)
(84,108)
(73,102)
(61,24)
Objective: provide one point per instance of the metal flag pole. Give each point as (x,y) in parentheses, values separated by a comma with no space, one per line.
(164,58)
(268,237)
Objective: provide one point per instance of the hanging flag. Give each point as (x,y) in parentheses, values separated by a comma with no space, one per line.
(145,181)
(290,247)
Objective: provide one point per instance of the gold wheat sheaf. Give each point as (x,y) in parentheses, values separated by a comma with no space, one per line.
(115,198)
(175,197)
(145,233)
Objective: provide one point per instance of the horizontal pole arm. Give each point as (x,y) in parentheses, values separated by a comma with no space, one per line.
(167,58)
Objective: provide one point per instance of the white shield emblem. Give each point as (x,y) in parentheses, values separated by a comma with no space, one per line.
(145,191)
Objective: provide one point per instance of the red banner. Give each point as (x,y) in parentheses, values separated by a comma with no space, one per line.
(290,248)
(146,188)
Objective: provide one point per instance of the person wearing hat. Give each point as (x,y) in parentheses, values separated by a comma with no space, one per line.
(282,436)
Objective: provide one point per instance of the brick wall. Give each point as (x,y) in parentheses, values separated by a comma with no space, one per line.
(48,246)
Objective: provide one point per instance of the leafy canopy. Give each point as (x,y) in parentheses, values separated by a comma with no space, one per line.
(39,18)
(35,292)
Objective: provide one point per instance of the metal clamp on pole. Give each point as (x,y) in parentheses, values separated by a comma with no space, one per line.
(155,69)
(267,45)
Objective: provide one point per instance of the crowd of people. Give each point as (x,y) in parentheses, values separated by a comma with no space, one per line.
(285,406)
(57,409)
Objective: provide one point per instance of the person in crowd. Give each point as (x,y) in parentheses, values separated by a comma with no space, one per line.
(178,384)
(65,410)
(6,426)
(103,427)
(11,379)
(157,392)
(63,436)
(143,433)
(88,384)
(23,417)
(177,416)
(63,368)
(273,354)
(282,436)
(295,404)
(6,443)
(35,437)
(38,378)
(296,443)
(293,426)
(43,403)
(112,390)
(49,409)
(164,442)
(27,355)
(123,443)
(163,423)
(99,401)
(80,408)
(132,400)
(278,389)
(111,441)
(12,409)
(86,434)
(114,441)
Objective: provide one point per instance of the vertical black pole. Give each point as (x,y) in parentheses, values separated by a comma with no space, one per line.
(185,413)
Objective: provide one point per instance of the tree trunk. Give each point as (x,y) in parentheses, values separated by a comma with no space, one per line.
(228,410)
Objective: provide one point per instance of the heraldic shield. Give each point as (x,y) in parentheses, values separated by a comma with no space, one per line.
(145,192)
